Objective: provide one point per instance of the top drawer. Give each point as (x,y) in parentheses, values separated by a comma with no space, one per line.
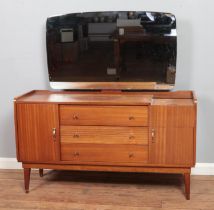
(104,115)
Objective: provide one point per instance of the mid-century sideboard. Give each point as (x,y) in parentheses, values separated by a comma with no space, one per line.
(106,131)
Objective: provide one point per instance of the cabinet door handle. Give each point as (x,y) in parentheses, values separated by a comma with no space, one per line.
(54,133)
(153,135)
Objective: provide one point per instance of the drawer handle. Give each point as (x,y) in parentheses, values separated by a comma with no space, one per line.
(75,117)
(131,155)
(131,118)
(76,136)
(131,137)
(76,154)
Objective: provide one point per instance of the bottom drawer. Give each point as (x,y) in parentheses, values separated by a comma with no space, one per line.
(104,153)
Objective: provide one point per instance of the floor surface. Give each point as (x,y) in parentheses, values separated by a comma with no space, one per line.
(59,190)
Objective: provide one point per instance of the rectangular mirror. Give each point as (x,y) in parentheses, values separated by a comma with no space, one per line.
(112,50)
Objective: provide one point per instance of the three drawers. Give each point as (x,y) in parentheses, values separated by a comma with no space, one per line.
(104,134)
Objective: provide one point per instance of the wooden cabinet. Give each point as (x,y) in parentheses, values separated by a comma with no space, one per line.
(38,137)
(132,132)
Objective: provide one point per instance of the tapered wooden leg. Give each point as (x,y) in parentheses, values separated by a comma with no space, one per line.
(41,172)
(187,185)
(27,179)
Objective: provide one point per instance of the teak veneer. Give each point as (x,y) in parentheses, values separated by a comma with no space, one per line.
(107,131)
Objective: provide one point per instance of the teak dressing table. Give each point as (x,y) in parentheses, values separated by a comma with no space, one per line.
(107,131)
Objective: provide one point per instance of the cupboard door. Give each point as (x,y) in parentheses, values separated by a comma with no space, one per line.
(172,146)
(172,135)
(37,131)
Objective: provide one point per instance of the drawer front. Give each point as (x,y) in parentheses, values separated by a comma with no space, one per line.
(104,153)
(104,115)
(104,135)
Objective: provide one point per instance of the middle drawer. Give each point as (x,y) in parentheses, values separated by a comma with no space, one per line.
(104,135)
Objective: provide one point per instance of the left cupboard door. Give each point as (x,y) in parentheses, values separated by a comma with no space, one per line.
(37,127)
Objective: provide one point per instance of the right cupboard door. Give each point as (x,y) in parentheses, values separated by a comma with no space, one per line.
(172,135)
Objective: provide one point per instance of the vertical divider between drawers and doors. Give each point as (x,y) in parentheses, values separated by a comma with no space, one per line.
(59,126)
(150,132)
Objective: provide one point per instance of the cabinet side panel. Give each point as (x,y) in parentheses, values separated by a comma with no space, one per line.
(35,138)
(16,132)
(195,129)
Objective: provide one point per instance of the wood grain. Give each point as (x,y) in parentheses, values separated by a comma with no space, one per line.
(104,115)
(111,168)
(173,140)
(35,140)
(104,153)
(173,115)
(104,135)
(87,97)
(172,146)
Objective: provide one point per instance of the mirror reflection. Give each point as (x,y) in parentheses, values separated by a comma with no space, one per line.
(128,46)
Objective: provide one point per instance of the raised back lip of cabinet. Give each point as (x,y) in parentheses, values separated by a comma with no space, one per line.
(47,96)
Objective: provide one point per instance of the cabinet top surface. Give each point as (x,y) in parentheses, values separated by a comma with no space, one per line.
(108,98)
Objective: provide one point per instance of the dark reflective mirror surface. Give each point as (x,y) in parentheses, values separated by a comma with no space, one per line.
(112,47)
